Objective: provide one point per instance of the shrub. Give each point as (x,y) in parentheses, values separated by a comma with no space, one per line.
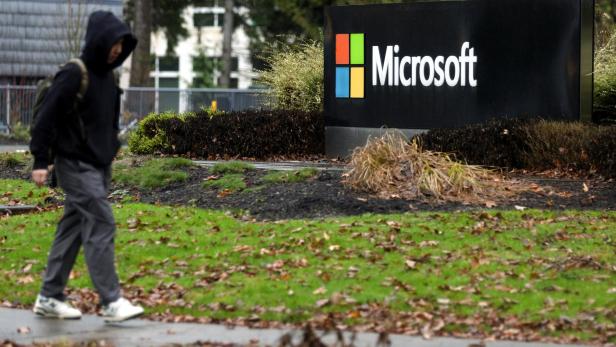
(390,166)
(605,81)
(19,134)
(252,133)
(561,145)
(150,135)
(295,78)
(602,151)
(530,144)
(501,142)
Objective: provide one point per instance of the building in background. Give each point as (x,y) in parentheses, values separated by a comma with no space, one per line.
(196,61)
(36,36)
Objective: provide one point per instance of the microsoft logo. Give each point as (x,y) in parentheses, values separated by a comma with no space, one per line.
(349,75)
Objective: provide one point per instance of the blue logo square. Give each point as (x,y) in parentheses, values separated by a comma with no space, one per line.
(342,82)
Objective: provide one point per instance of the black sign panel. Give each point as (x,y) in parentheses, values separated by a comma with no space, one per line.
(445,64)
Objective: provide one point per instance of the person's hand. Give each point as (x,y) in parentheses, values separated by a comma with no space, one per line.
(39,176)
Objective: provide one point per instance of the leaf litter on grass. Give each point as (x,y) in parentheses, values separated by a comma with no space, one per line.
(433,274)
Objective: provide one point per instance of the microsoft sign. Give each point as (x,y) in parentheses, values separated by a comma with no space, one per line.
(424,65)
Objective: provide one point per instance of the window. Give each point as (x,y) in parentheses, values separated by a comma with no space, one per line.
(204,19)
(205,3)
(208,19)
(233,82)
(169,63)
(166,63)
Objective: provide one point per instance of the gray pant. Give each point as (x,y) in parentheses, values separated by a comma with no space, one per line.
(88,221)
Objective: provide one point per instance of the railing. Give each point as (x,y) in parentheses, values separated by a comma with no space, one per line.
(17,102)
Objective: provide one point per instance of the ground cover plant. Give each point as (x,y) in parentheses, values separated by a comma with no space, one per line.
(151,173)
(230,177)
(231,167)
(227,183)
(536,275)
(292,176)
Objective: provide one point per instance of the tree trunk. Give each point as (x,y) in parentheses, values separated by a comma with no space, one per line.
(226,45)
(140,64)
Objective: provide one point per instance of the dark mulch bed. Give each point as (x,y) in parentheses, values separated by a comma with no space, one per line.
(326,196)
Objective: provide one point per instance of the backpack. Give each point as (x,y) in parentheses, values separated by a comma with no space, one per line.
(42,88)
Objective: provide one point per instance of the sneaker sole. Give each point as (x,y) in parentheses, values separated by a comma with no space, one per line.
(42,313)
(118,320)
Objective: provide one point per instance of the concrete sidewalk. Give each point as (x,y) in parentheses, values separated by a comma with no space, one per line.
(280,165)
(13,148)
(149,333)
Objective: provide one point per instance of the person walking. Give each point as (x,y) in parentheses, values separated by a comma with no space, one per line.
(82,132)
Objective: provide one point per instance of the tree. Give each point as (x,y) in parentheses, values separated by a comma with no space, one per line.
(148,16)
(142,26)
(204,68)
(289,21)
(226,46)
(76,17)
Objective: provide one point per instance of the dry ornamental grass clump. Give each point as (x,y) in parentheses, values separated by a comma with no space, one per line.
(391,167)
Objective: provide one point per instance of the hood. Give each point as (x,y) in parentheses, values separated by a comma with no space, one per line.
(105,29)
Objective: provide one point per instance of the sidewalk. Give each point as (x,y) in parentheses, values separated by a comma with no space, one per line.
(13,148)
(149,333)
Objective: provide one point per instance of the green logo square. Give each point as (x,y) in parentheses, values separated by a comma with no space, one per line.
(357,49)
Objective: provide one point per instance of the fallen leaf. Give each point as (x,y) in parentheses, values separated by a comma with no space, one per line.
(585,187)
(410,264)
(24,330)
(443,301)
(490,204)
(319,291)
(25,280)
(133,223)
(322,303)
(428,243)
(611,290)
(426,332)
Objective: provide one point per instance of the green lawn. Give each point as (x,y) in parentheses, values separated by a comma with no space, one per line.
(497,273)
(20,192)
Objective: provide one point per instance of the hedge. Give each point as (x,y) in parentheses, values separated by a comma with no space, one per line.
(532,144)
(258,134)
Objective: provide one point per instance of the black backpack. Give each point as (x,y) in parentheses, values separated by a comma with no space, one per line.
(42,88)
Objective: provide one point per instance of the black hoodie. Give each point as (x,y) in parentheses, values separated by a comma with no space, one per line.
(100,107)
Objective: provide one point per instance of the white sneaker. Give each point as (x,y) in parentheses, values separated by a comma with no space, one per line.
(52,308)
(121,310)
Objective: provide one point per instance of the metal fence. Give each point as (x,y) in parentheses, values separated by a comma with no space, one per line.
(17,102)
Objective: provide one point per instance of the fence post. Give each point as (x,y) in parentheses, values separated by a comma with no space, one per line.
(140,103)
(233,108)
(8,109)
